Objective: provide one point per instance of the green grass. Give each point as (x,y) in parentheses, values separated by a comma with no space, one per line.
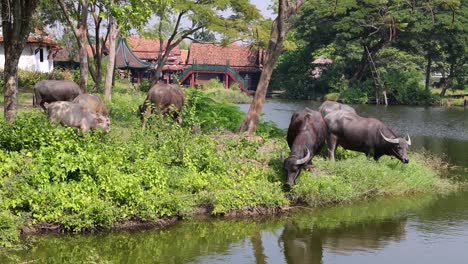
(359,178)
(54,175)
(216,90)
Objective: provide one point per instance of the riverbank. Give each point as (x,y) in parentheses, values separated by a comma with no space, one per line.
(54,177)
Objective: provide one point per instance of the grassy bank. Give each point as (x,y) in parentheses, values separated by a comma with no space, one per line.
(82,182)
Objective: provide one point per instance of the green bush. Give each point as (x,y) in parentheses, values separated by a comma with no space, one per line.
(406,87)
(144,86)
(27,79)
(358,93)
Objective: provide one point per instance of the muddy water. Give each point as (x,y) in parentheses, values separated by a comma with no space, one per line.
(420,229)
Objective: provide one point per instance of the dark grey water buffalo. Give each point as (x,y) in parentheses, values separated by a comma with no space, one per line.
(91,102)
(306,135)
(367,135)
(48,91)
(75,115)
(330,106)
(160,98)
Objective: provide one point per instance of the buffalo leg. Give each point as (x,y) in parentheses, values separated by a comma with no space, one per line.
(43,106)
(332,141)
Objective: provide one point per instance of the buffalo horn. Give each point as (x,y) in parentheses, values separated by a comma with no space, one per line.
(305,159)
(408,140)
(282,155)
(391,140)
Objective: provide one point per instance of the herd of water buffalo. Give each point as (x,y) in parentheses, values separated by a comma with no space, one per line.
(67,105)
(334,123)
(338,124)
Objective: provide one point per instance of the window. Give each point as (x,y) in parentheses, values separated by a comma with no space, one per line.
(41,55)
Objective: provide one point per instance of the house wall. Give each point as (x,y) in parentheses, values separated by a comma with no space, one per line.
(30,59)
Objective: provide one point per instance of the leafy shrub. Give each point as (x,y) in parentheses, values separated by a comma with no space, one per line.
(357,94)
(406,87)
(27,79)
(332,97)
(144,86)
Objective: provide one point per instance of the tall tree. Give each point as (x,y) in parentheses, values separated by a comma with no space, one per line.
(202,15)
(16,25)
(281,26)
(113,33)
(97,10)
(76,15)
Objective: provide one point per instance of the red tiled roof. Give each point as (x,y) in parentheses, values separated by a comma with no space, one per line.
(184,56)
(46,41)
(148,49)
(239,57)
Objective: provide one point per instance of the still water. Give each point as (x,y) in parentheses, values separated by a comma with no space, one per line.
(418,229)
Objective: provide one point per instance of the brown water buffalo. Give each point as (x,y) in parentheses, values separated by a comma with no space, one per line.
(306,135)
(330,106)
(91,102)
(48,91)
(160,98)
(75,115)
(367,135)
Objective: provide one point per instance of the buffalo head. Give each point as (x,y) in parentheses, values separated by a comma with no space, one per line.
(293,166)
(399,147)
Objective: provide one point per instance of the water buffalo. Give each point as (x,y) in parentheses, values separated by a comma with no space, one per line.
(91,102)
(75,115)
(330,106)
(367,135)
(160,98)
(48,91)
(306,135)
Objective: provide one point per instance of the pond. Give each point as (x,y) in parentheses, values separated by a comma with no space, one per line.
(418,229)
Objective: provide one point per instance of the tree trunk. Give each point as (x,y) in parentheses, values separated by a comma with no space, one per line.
(82,39)
(10,91)
(96,72)
(16,20)
(113,32)
(448,81)
(364,63)
(428,71)
(80,33)
(275,47)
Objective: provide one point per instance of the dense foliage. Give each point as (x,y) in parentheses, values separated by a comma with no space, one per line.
(392,32)
(86,181)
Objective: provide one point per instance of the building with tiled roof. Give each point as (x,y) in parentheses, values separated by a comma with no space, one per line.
(207,58)
(37,54)
(148,50)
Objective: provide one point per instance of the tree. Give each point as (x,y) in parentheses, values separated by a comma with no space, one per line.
(281,25)
(202,15)
(113,30)
(16,25)
(77,21)
(204,36)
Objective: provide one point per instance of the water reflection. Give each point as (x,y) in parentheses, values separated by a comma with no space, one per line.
(302,237)
(306,245)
